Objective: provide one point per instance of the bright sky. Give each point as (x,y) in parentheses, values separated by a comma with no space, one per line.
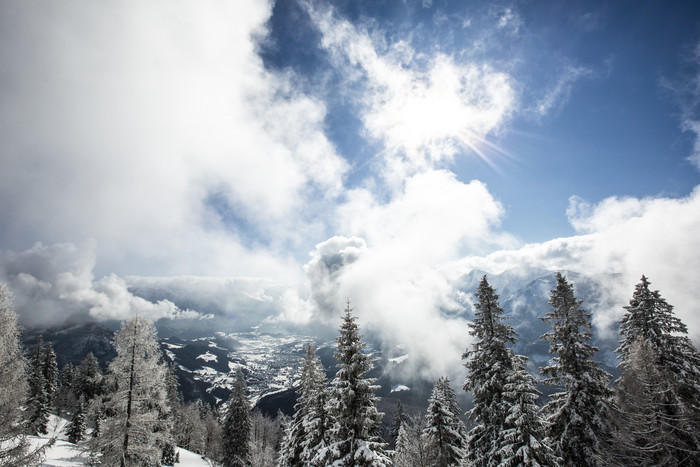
(300,152)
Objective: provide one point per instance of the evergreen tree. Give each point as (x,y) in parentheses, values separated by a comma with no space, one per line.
(50,369)
(306,433)
(89,381)
(135,428)
(444,433)
(579,417)
(400,418)
(14,449)
(38,408)
(354,435)
(410,449)
(237,426)
(651,431)
(77,427)
(65,395)
(659,387)
(489,363)
(523,441)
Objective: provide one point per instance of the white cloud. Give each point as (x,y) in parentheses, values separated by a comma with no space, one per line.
(627,237)
(54,285)
(120,122)
(560,92)
(423,110)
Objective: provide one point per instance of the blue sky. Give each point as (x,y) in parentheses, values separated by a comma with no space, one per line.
(276,158)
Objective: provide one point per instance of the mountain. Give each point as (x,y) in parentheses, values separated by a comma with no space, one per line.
(205,356)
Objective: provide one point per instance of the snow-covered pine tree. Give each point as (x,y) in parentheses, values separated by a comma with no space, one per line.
(66,400)
(14,449)
(444,433)
(651,431)
(237,426)
(579,417)
(77,427)
(489,363)
(399,419)
(135,428)
(523,442)
(354,435)
(50,369)
(38,408)
(306,433)
(89,381)
(410,450)
(666,381)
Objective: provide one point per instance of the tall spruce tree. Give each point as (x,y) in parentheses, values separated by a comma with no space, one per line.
(89,381)
(579,417)
(237,426)
(38,408)
(444,434)
(50,369)
(355,433)
(523,442)
(400,418)
(135,428)
(658,391)
(78,425)
(489,362)
(306,434)
(14,448)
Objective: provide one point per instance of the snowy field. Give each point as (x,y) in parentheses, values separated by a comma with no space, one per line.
(62,453)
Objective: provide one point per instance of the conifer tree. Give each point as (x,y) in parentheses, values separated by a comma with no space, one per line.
(50,369)
(14,449)
(65,395)
(306,434)
(237,426)
(38,408)
(579,417)
(489,363)
(444,433)
(89,381)
(410,449)
(658,391)
(400,418)
(76,428)
(135,427)
(523,442)
(354,435)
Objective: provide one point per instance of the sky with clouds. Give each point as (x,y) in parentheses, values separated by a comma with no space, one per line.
(279,157)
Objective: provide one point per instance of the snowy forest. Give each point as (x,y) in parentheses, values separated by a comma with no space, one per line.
(133,414)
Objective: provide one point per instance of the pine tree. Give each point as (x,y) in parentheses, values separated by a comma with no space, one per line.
(38,408)
(410,449)
(523,442)
(489,363)
(306,433)
(89,381)
(237,426)
(77,427)
(354,436)
(444,433)
(135,428)
(659,387)
(579,417)
(14,449)
(400,418)
(65,395)
(50,369)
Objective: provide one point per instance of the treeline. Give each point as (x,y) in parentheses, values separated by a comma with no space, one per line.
(134,415)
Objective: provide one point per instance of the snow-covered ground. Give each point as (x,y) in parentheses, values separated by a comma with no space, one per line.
(62,453)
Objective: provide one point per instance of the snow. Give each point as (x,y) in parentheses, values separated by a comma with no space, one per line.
(398,360)
(399,388)
(62,453)
(208,357)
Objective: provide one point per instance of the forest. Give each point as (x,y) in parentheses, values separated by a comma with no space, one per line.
(133,414)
